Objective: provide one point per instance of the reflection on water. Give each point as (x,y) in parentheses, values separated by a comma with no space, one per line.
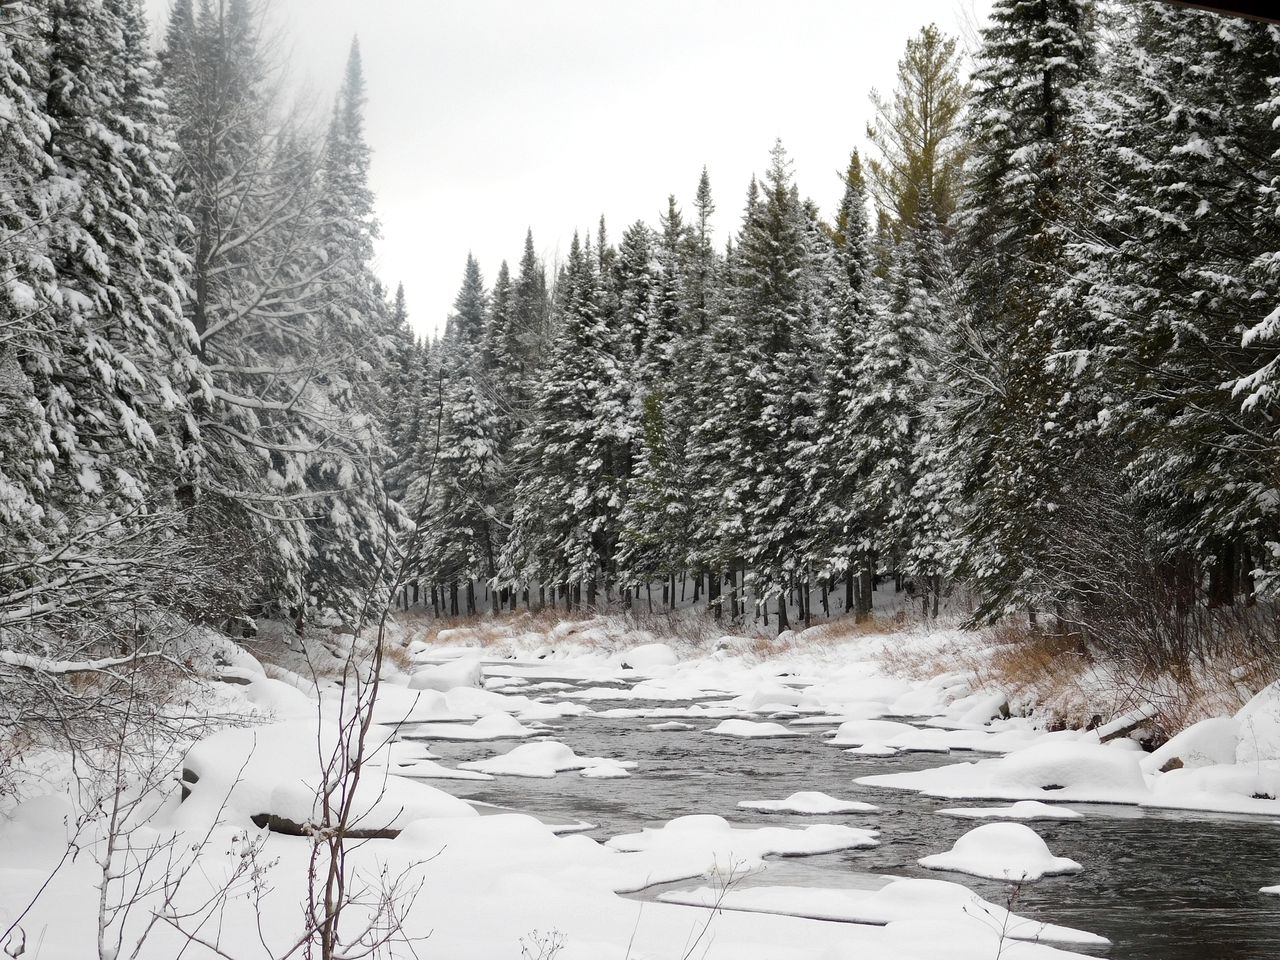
(1160,885)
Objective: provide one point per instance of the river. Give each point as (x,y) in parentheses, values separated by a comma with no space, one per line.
(1160,885)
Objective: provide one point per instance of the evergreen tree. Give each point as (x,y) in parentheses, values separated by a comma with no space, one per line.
(564,531)
(1180,269)
(1011,434)
(842,535)
(772,374)
(917,134)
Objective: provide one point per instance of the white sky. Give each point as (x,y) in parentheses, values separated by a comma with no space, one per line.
(490,116)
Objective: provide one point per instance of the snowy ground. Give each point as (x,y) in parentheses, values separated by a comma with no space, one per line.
(481,880)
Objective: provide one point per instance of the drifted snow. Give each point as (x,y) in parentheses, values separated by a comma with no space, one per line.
(1001,851)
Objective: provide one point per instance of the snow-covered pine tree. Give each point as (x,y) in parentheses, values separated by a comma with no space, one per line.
(351,518)
(719,476)
(564,531)
(924,504)
(461,511)
(772,374)
(94,350)
(655,515)
(1183,274)
(1011,436)
(279,269)
(841,535)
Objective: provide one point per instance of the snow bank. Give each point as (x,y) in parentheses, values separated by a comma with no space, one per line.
(906,900)
(1001,851)
(1063,771)
(809,803)
(1259,720)
(241,773)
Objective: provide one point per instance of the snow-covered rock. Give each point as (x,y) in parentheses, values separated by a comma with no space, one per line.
(544,760)
(448,676)
(750,729)
(495,726)
(716,841)
(810,803)
(857,733)
(1001,851)
(873,749)
(648,655)
(1207,743)
(1022,810)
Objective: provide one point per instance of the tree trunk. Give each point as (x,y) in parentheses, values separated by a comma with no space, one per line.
(848,589)
(713,593)
(782,613)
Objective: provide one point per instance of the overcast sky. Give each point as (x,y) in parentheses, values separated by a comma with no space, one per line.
(490,116)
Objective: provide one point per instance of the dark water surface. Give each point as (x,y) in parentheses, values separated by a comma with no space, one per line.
(1160,885)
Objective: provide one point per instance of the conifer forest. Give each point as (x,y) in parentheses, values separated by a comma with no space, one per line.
(1008,418)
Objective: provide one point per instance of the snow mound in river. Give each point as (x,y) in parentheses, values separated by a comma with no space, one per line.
(810,803)
(1001,851)
(750,729)
(1022,810)
(545,760)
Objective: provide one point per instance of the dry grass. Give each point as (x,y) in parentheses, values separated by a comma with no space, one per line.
(398,656)
(1058,677)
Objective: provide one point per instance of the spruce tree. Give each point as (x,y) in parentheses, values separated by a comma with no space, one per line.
(1010,433)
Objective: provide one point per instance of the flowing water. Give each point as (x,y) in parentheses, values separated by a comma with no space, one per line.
(1160,885)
